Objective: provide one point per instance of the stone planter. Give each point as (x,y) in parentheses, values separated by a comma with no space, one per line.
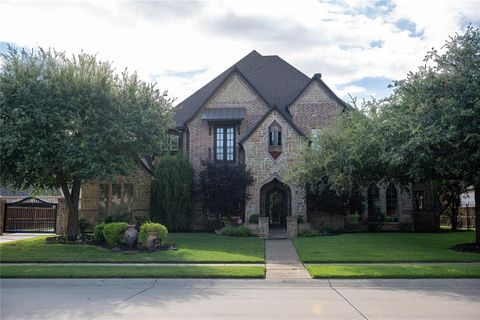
(152,241)
(131,236)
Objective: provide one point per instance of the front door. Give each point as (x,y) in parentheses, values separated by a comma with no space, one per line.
(276,208)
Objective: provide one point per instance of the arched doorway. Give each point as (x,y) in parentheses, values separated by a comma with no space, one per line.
(275,203)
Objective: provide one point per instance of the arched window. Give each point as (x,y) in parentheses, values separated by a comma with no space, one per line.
(275,140)
(392,201)
(373,202)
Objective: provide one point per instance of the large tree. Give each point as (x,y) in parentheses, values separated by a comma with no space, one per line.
(427,131)
(65,120)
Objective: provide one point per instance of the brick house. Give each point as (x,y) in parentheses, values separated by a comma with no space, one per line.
(259,112)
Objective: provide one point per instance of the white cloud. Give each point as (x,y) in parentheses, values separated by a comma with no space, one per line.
(158,37)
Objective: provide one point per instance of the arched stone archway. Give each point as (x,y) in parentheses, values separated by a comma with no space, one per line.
(276,202)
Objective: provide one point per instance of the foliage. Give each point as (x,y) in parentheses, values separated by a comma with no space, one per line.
(113,232)
(240,231)
(98,236)
(171,195)
(125,217)
(224,189)
(150,227)
(353,218)
(300,219)
(253,218)
(65,120)
(307,233)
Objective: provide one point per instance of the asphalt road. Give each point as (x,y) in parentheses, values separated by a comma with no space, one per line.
(239,299)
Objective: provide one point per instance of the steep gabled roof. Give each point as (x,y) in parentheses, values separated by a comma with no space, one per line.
(275,81)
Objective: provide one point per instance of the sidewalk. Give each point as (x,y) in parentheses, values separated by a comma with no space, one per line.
(282,261)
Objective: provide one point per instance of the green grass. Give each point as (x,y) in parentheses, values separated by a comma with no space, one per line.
(385,247)
(192,247)
(57,271)
(399,271)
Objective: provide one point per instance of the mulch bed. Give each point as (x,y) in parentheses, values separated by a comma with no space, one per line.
(466,247)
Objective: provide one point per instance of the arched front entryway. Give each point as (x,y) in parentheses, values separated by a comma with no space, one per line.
(275,203)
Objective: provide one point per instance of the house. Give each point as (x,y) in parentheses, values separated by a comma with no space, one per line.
(259,112)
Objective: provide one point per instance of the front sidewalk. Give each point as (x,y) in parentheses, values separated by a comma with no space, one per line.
(282,261)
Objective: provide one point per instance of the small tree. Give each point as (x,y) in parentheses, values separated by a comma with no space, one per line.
(66,120)
(172,188)
(224,189)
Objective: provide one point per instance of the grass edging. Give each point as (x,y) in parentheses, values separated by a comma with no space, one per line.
(394,271)
(52,271)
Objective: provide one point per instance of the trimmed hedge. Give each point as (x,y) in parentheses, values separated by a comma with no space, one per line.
(235,231)
(98,236)
(148,227)
(253,218)
(113,232)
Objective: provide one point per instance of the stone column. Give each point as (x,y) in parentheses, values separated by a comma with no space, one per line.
(292,228)
(2,214)
(263,227)
(62,217)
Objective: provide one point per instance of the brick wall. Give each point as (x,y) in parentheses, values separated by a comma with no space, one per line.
(234,93)
(314,108)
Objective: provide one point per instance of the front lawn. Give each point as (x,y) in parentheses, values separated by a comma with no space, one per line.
(192,247)
(59,271)
(398,271)
(385,247)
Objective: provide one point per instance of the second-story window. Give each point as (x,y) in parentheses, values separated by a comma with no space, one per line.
(225,143)
(275,140)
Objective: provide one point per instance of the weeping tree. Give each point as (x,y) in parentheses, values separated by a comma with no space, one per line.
(66,120)
(172,188)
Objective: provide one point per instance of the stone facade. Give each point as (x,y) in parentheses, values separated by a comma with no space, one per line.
(90,196)
(265,168)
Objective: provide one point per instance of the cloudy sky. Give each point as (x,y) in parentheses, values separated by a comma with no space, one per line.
(358,46)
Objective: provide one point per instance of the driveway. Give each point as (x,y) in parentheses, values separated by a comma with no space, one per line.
(9,237)
(239,299)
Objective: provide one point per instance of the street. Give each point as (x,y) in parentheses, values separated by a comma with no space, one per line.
(239,299)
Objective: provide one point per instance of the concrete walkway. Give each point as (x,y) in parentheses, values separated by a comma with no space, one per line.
(9,237)
(282,261)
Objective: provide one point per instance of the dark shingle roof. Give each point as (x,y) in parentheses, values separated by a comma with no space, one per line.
(276,81)
(224,114)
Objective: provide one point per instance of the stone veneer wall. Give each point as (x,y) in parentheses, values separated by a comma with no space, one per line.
(314,108)
(90,198)
(264,168)
(234,93)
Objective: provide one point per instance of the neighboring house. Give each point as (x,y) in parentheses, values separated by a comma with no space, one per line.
(259,112)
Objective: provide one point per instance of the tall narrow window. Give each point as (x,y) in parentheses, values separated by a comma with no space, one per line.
(392,201)
(373,202)
(224,143)
(275,140)
(103,205)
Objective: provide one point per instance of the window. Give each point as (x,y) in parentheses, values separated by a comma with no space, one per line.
(419,197)
(275,140)
(115,199)
(171,143)
(224,143)
(373,202)
(392,201)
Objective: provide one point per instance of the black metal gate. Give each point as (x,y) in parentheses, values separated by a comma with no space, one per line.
(30,215)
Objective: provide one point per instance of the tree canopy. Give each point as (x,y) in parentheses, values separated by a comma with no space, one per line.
(65,120)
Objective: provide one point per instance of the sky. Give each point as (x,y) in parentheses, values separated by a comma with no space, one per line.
(359,47)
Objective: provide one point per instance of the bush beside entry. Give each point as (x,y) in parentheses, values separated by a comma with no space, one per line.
(114,232)
(98,236)
(149,227)
(235,231)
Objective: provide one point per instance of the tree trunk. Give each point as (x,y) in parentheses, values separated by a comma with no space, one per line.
(72,197)
(454,217)
(477,214)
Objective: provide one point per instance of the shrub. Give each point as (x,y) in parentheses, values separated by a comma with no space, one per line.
(172,190)
(98,236)
(307,233)
(353,218)
(253,218)
(148,227)
(235,231)
(300,219)
(113,232)
(118,217)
